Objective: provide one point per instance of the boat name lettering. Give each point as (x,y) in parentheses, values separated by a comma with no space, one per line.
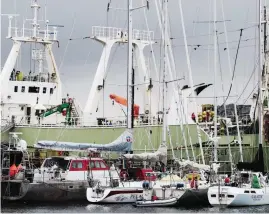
(256,197)
(121,198)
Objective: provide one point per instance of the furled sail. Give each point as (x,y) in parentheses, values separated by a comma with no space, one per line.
(122,144)
(159,156)
(191,165)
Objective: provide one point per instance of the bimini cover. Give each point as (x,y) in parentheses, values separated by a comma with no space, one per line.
(122,144)
(159,156)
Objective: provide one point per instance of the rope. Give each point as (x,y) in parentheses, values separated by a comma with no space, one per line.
(241,32)
(66,47)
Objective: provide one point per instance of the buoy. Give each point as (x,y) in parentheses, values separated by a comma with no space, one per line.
(13,170)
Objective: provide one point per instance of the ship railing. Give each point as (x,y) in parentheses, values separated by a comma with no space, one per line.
(28,32)
(6,125)
(76,122)
(118,33)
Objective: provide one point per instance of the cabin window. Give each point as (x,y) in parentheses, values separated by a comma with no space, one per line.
(16,88)
(44,90)
(92,164)
(103,166)
(213,195)
(33,89)
(23,89)
(77,165)
(246,191)
(230,196)
(97,164)
(51,90)
(252,191)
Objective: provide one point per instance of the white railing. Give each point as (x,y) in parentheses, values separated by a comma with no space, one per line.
(27,32)
(117,33)
(109,122)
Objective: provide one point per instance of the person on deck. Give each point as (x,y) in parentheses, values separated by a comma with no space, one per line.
(227,181)
(193,117)
(255,182)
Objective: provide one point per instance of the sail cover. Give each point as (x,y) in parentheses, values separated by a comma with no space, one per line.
(159,156)
(122,144)
(191,165)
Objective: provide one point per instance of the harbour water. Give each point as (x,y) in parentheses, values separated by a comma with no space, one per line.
(118,208)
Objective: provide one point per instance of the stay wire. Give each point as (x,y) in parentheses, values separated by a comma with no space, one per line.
(236,56)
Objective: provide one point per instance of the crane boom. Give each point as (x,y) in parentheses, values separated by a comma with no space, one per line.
(64,108)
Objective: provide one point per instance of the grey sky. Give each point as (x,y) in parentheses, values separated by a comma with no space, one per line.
(82,56)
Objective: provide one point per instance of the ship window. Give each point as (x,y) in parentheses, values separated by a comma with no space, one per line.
(44,90)
(253,192)
(33,89)
(246,191)
(51,90)
(23,89)
(213,195)
(97,164)
(16,88)
(92,164)
(36,112)
(230,196)
(103,166)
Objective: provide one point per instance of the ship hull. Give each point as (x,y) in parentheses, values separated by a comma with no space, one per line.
(54,192)
(193,197)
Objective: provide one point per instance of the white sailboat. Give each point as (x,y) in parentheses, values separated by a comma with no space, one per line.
(249,193)
(122,194)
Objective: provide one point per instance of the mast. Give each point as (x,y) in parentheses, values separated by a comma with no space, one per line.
(260,109)
(164,73)
(130,84)
(215,82)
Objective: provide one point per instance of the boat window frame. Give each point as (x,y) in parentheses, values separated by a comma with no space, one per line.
(102,163)
(95,163)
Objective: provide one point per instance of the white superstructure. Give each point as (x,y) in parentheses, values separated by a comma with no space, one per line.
(25,93)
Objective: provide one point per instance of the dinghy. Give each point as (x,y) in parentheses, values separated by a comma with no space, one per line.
(156,203)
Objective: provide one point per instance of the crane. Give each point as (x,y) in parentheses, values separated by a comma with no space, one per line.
(65,109)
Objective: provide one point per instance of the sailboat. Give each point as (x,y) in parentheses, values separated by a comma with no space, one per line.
(122,194)
(247,193)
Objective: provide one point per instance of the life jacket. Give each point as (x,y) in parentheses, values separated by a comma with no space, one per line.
(13,170)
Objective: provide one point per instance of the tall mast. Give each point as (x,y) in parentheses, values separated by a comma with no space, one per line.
(260,114)
(130,69)
(164,72)
(215,82)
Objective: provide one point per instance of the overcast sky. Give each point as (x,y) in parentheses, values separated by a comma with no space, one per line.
(79,58)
